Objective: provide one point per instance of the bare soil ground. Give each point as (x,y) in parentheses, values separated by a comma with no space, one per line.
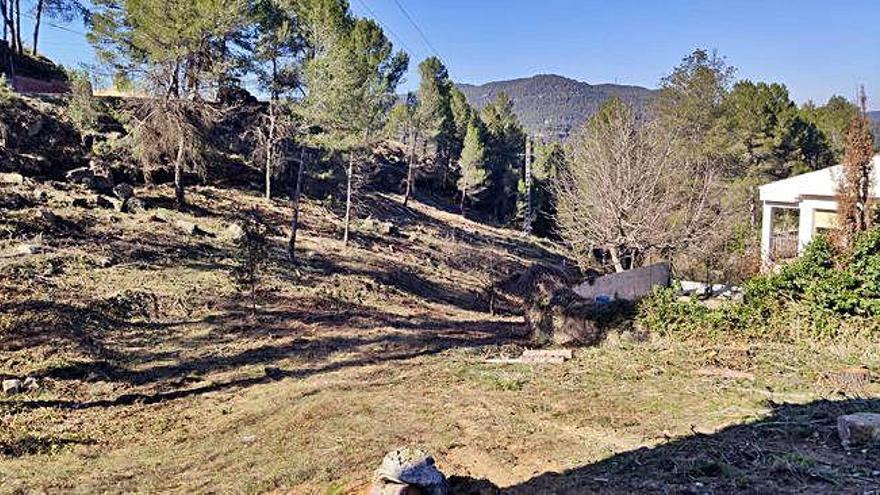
(154,376)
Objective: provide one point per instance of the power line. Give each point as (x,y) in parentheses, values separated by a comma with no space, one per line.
(50,24)
(385,27)
(415,25)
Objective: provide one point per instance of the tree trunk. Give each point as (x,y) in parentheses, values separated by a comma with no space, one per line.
(527,178)
(294,224)
(270,145)
(615,259)
(409,172)
(5,20)
(463,196)
(270,150)
(19,45)
(179,199)
(38,16)
(348,198)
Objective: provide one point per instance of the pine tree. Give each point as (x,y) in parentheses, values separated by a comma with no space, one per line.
(505,145)
(175,49)
(435,112)
(351,77)
(472,164)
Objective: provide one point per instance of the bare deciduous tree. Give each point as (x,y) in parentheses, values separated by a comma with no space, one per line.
(628,192)
(854,188)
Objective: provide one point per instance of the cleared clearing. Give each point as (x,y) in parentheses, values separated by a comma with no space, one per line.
(154,377)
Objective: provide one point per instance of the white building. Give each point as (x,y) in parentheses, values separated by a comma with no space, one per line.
(813,196)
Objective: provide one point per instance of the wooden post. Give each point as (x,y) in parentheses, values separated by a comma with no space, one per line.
(527,170)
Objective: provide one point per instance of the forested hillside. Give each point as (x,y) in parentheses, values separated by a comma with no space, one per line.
(552,106)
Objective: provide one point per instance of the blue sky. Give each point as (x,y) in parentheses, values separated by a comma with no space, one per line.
(817,48)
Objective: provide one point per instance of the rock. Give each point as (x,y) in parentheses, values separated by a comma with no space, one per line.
(25,249)
(234,232)
(79,174)
(88,177)
(80,203)
(108,202)
(390,488)
(12,386)
(387,228)
(47,216)
(11,179)
(134,205)
(30,383)
(408,468)
(123,191)
(859,429)
(35,127)
(188,228)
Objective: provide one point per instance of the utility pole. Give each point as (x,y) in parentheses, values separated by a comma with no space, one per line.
(527,169)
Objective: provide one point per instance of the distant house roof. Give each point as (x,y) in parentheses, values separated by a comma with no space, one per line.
(821,183)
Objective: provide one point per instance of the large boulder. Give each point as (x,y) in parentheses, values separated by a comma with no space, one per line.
(409,471)
(859,429)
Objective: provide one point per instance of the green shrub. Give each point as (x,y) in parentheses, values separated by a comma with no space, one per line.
(6,93)
(820,293)
(82,107)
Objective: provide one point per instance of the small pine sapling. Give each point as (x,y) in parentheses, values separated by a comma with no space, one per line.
(251,255)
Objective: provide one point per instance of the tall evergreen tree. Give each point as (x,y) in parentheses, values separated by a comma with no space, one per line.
(833,120)
(472,164)
(351,79)
(691,102)
(505,149)
(175,49)
(435,112)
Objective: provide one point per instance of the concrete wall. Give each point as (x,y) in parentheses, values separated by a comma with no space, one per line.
(629,285)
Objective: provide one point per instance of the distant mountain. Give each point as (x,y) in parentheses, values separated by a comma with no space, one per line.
(553,106)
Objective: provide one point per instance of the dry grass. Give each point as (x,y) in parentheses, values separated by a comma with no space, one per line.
(155,378)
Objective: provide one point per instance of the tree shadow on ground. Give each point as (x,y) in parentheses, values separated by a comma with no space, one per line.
(796,449)
(402,347)
(123,352)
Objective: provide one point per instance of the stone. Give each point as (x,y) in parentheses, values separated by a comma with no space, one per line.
(11,179)
(47,216)
(859,429)
(79,174)
(108,202)
(25,249)
(234,232)
(123,191)
(12,386)
(412,468)
(134,205)
(381,487)
(80,203)
(88,177)
(188,228)
(30,383)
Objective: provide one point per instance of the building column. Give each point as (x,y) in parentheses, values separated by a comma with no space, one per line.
(805,226)
(767,236)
